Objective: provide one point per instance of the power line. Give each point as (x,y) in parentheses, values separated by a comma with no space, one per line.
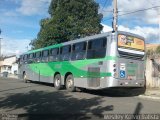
(108,19)
(106,2)
(139,10)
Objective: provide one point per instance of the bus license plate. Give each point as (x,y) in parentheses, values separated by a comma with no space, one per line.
(131,77)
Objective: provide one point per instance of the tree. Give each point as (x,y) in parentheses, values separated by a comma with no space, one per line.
(158,49)
(70,19)
(149,52)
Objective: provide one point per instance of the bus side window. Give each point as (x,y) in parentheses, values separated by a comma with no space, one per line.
(79,51)
(96,48)
(45,54)
(37,56)
(54,54)
(21,59)
(30,58)
(65,53)
(25,58)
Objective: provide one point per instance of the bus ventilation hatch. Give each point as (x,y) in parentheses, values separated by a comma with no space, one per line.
(93,77)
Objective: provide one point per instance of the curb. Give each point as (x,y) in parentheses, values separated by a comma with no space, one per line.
(149,97)
(12,77)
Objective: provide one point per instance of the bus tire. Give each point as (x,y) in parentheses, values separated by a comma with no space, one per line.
(70,83)
(57,82)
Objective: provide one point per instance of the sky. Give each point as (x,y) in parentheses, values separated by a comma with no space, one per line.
(19,20)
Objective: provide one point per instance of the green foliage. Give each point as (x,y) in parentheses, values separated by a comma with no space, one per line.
(158,49)
(149,52)
(70,19)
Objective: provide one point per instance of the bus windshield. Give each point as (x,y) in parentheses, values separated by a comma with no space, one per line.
(130,44)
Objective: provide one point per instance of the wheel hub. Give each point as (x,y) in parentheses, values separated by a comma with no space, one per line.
(57,82)
(70,83)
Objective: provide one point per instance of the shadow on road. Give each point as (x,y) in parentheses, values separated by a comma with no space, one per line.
(117,92)
(109,92)
(137,111)
(42,105)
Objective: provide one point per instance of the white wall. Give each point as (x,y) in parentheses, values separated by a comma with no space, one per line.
(14,68)
(151,82)
(9,65)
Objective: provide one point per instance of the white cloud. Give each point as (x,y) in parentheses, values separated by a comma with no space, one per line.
(33,7)
(151,34)
(106,28)
(11,46)
(146,16)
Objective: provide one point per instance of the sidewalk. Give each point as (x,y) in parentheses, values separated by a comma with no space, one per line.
(151,93)
(12,76)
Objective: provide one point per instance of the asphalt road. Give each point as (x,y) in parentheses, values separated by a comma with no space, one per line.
(32,100)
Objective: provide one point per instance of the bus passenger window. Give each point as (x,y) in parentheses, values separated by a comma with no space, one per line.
(30,58)
(21,59)
(96,48)
(65,53)
(45,54)
(54,54)
(79,51)
(38,57)
(25,58)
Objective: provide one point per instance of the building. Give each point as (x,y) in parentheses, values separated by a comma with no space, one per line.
(153,67)
(9,64)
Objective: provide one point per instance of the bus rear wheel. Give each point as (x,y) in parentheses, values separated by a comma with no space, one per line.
(57,82)
(70,83)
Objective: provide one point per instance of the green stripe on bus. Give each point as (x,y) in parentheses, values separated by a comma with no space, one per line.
(75,67)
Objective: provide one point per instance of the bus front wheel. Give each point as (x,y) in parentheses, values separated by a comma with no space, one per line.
(57,81)
(70,83)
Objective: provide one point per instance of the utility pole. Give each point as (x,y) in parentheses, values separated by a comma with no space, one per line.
(115,16)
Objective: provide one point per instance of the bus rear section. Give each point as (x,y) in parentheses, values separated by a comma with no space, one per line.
(130,63)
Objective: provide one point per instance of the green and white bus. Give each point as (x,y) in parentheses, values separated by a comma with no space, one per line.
(95,62)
